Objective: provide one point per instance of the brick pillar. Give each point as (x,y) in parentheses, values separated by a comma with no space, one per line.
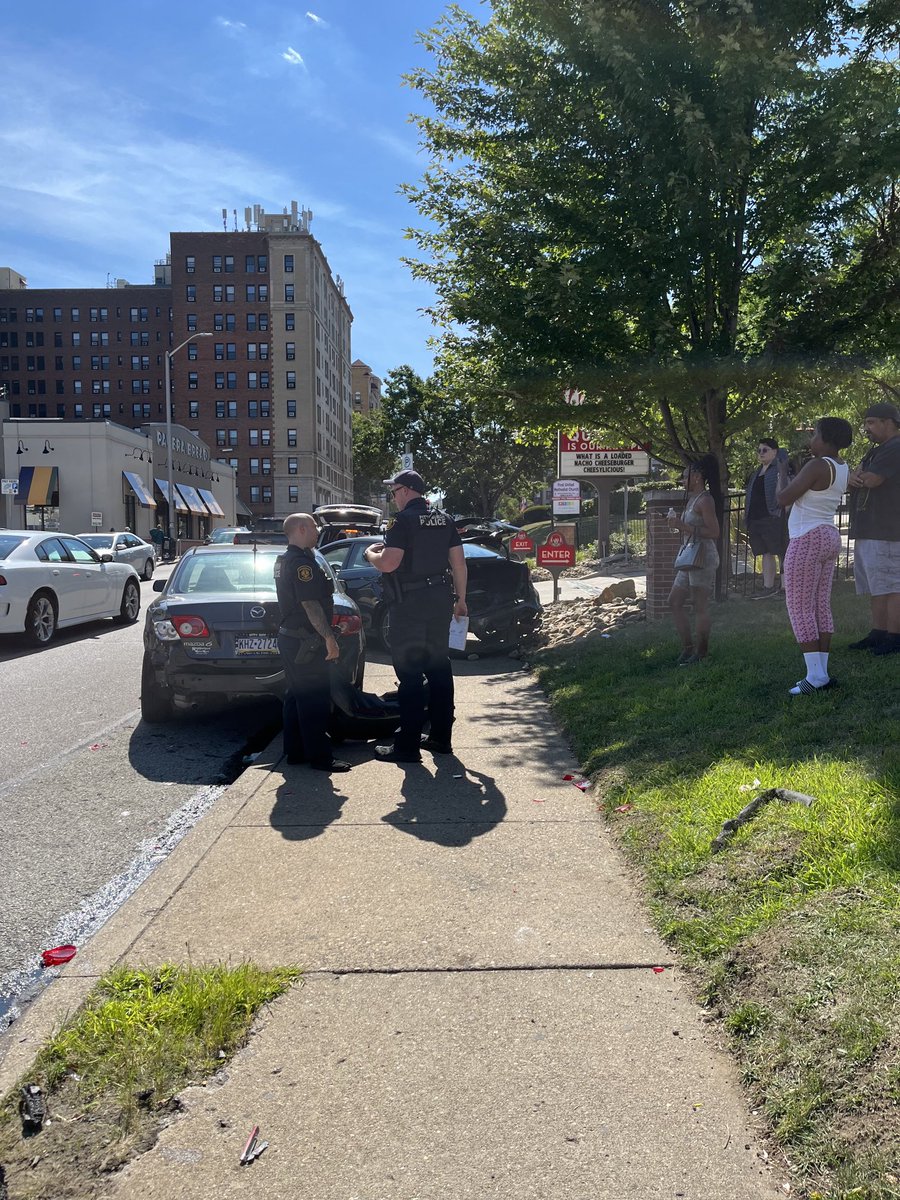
(662,546)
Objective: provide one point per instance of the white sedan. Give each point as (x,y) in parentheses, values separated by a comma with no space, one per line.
(125,547)
(51,580)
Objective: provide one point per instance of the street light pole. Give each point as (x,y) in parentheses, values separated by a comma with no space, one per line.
(170,507)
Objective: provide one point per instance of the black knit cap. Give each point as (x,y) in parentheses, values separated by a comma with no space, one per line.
(885,411)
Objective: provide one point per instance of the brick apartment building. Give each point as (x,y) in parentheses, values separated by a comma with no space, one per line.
(269,390)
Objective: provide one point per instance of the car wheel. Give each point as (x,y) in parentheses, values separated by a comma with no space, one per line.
(148,569)
(131,604)
(40,619)
(383,627)
(156,700)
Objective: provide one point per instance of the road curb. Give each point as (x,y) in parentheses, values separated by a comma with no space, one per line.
(113,941)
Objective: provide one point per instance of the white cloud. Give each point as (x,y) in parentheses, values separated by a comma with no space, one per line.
(231,26)
(316,20)
(290,55)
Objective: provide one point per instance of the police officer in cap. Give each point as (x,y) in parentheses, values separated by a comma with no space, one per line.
(419,546)
(307,646)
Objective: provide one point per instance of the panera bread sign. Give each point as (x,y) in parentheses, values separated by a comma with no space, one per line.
(189,446)
(580,455)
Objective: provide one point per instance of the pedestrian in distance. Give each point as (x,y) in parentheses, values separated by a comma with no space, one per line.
(307,646)
(815,543)
(766,521)
(419,546)
(699,524)
(875,526)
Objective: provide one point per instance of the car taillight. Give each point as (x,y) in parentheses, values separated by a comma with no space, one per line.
(191,627)
(349,623)
(2,581)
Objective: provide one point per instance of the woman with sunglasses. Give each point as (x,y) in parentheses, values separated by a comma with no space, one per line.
(815,543)
(765,519)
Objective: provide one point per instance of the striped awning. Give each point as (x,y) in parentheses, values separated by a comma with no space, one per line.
(211,502)
(140,489)
(38,486)
(191,499)
(180,506)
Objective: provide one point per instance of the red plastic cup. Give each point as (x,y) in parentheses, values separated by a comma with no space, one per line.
(58,955)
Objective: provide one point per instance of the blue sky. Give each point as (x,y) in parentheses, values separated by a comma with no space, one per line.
(125,121)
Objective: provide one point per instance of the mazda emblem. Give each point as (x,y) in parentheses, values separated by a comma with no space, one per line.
(256,611)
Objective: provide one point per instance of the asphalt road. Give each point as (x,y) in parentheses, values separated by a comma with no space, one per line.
(91,798)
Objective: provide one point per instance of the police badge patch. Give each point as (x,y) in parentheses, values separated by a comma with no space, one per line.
(304,574)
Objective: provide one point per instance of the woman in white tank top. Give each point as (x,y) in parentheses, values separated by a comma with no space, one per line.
(815,544)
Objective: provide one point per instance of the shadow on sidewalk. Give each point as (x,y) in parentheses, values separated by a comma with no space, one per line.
(446,810)
(305,805)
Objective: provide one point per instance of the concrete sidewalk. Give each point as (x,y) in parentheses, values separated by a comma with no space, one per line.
(479,1016)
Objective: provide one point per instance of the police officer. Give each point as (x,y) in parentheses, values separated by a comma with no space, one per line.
(307,645)
(418,547)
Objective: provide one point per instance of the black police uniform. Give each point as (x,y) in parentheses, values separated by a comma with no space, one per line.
(420,622)
(307,700)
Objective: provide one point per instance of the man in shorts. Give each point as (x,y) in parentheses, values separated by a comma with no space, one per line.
(875,526)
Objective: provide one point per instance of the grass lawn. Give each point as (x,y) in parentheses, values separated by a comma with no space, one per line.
(792,932)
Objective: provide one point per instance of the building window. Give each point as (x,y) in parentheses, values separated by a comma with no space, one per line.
(190,293)
(254,493)
(267,466)
(251,322)
(57,314)
(220,437)
(290,379)
(220,351)
(229,264)
(293,494)
(194,410)
(267,437)
(229,321)
(289,322)
(292,466)
(254,466)
(76,387)
(76,314)
(291,408)
(76,339)
(265,408)
(292,437)
(251,380)
(231,380)
(230,351)
(253,409)
(263,291)
(218,292)
(251,293)
(190,264)
(262,264)
(264,379)
(232,437)
(254,437)
(220,380)
(251,351)
(289,264)
(193,381)
(267,494)
(290,351)
(78,410)
(289,292)
(193,352)
(217,263)
(220,408)
(232,408)
(250,264)
(219,321)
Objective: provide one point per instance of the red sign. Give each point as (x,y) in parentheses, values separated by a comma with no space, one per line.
(556,552)
(521,544)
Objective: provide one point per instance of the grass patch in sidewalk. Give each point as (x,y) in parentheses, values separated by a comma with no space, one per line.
(111,1074)
(793,931)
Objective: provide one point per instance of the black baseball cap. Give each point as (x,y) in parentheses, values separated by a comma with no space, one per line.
(408,479)
(885,411)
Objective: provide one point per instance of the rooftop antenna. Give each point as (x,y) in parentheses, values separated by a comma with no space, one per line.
(234,210)
(225,219)
(247,217)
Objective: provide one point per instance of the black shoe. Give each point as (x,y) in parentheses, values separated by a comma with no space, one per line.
(435,746)
(871,640)
(337,767)
(391,754)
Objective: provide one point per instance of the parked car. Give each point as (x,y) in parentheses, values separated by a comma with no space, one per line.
(210,636)
(502,602)
(224,537)
(504,528)
(339,521)
(49,581)
(124,547)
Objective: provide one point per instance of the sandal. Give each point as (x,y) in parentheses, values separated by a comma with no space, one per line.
(804,688)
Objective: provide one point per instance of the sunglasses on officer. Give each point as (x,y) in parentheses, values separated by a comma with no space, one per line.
(392,491)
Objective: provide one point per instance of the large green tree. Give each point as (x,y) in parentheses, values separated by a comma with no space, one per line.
(454,426)
(688,209)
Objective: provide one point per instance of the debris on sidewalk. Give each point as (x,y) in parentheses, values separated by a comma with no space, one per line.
(57,956)
(253,1149)
(573,620)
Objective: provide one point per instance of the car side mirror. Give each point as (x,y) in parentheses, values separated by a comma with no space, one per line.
(107,557)
(159,585)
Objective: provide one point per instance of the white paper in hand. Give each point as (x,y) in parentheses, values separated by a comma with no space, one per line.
(459,627)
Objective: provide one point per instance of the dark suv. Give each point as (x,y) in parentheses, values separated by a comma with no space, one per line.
(211,636)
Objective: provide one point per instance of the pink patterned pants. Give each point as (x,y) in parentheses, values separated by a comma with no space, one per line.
(808,571)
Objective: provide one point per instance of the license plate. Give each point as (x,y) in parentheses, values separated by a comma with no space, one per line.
(255,645)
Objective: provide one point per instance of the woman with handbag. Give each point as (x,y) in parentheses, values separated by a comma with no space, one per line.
(766,521)
(698,559)
(815,543)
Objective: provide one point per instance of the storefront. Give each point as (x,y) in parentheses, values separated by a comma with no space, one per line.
(80,476)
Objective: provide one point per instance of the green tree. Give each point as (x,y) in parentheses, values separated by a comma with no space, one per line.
(686,208)
(453,425)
